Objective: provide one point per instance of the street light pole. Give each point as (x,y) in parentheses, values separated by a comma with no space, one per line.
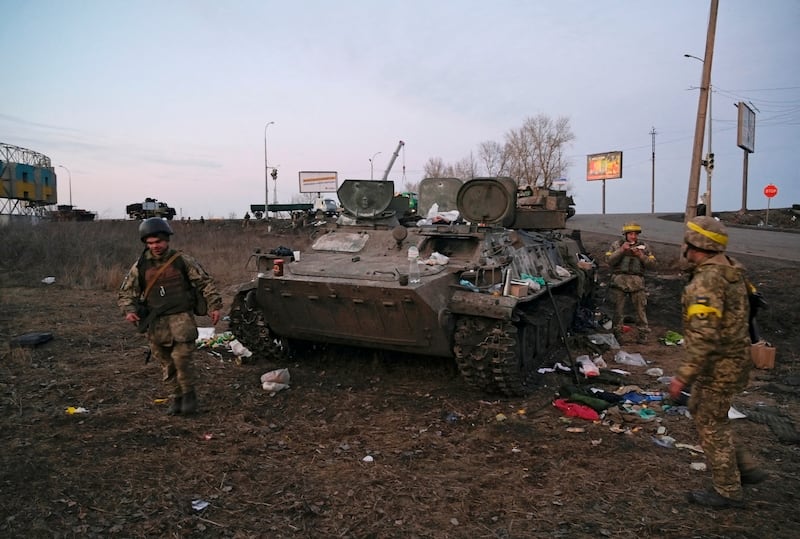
(371,165)
(70,184)
(266,174)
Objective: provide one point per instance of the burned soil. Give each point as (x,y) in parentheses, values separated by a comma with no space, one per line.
(444,460)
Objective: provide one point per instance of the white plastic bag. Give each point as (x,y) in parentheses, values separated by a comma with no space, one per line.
(625,358)
(274,381)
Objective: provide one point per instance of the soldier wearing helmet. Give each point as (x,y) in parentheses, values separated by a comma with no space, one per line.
(158,295)
(717,362)
(628,259)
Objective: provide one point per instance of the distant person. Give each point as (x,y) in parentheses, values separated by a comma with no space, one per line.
(628,258)
(161,281)
(202,220)
(717,364)
(246,221)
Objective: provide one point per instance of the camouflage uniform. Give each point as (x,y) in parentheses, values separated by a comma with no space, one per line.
(716,310)
(627,279)
(172,334)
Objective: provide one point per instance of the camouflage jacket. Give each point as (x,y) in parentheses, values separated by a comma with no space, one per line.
(715,317)
(170,283)
(627,269)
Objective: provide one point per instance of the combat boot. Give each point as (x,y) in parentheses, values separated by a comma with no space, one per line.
(189,403)
(175,406)
(753,476)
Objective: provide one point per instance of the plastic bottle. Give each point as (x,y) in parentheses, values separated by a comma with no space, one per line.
(413,265)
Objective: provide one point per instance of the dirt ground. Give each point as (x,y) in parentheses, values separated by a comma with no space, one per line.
(445,461)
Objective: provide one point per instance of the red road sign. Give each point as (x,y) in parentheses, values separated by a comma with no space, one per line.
(770,191)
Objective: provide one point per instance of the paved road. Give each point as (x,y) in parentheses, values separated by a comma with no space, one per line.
(656,227)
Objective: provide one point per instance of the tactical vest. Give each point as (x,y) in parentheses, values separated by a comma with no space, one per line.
(171,293)
(630,264)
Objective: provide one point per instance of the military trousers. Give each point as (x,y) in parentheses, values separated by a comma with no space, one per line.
(709,409)
(172,341)
(639,301)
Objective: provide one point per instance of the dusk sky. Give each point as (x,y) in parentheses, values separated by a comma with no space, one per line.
(170,99)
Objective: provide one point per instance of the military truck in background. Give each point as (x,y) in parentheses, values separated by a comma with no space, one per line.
(150,208)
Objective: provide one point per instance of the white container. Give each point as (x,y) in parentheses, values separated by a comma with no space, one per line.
(296,256)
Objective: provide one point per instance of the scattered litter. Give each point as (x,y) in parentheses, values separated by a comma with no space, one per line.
(49,280)
(368,458)
(655,371)
(239,350)
(695,448)
(207,436)
(501,417)
(625,358)
(160,401)
(665,441)
(587,366)
(205,333)
(620,371)
(274,381)
(576,429)
(672,338)
(71,410)
(733,413)
(199,505)
(516,450)
(604,338)
(698,466)
(30,340)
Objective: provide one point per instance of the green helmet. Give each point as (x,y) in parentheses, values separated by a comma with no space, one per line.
(153,227)
(706,233)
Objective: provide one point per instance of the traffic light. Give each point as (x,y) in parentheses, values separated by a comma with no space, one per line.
(274,174)
(711,161)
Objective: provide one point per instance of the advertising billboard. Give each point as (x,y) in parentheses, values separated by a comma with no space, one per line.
(312,181)
(604,166)
(746,132)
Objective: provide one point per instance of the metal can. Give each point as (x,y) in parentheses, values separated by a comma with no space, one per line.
(277,269)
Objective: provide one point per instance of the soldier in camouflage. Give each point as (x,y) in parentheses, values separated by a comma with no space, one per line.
(717,363)
(170,325)
(628,258)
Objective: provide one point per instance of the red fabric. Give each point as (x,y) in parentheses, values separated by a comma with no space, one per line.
(573,409)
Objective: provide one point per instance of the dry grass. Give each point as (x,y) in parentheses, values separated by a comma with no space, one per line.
(96,255)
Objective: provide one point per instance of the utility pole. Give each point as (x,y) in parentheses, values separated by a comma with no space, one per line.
(702,105)
(710,155)
(653,172)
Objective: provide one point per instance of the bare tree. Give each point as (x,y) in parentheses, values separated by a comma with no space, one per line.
(435,168)
(466,169)
(533,155)
(548,140)
(493,158)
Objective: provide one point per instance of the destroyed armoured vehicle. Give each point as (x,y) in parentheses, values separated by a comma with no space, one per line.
(498,285)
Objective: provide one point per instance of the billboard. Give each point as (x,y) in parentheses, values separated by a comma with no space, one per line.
(604,166)
(746,132)
(312,181)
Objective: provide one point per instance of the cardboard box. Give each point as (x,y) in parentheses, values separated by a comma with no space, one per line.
(763,355)
(518,289)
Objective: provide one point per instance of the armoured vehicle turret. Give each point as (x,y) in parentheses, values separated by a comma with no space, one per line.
(499,284)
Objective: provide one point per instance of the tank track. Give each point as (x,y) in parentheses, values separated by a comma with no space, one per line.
(501,356)
(250,327)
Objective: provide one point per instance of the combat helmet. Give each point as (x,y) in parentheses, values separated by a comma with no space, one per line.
(706,233)
(153,227)
(631,226)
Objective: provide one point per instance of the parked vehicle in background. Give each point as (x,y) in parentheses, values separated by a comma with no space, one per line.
(150,208)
